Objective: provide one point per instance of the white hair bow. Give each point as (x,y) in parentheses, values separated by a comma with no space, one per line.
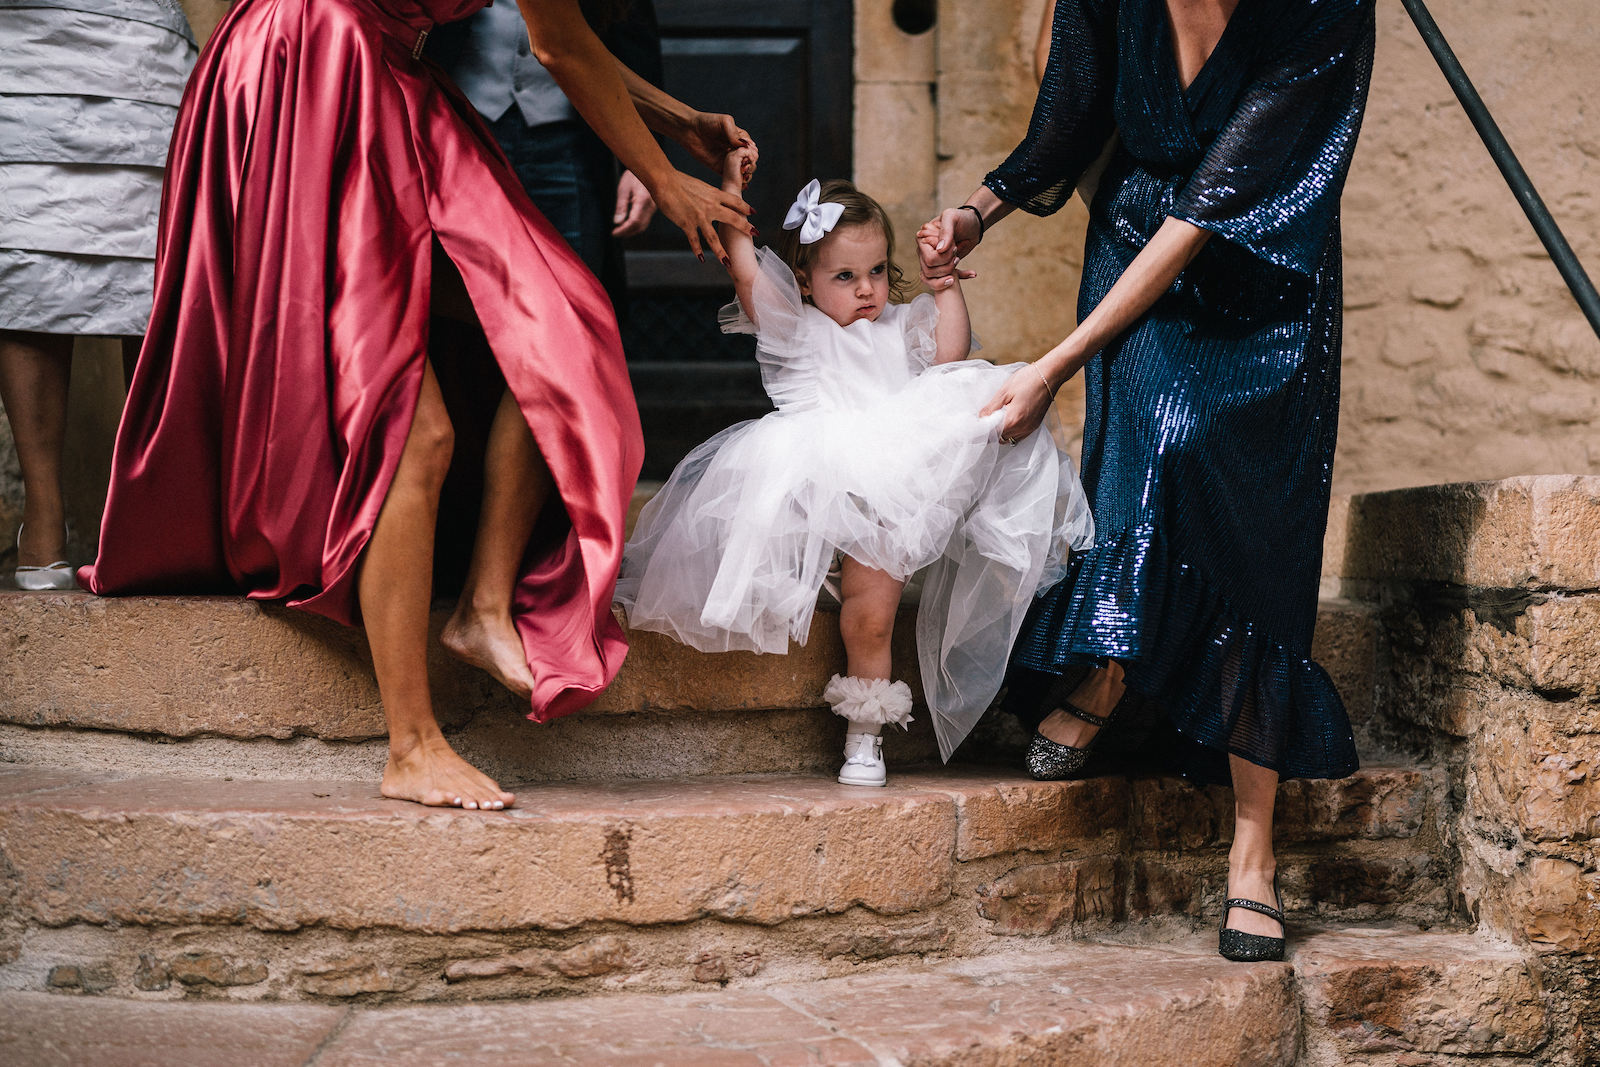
(814,219)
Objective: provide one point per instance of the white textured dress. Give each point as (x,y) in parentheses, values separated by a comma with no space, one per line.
(89,90)
(876,453)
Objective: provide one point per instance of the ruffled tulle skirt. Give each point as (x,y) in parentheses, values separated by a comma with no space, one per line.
(733,550)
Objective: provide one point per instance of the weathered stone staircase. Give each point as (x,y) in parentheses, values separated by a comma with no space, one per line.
(195,864)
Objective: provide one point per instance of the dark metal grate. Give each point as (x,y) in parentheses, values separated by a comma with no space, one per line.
(680,327)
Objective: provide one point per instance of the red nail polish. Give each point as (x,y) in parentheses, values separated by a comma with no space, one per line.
(701,256)
(725,262)
(754,232)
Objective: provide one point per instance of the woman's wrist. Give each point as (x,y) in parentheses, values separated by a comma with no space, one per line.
(1058,365)
(977,214)
(1050,386)
(656,171)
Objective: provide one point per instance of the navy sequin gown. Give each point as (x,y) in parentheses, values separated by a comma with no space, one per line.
(1209,434)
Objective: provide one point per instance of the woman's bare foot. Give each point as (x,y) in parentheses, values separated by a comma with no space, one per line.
(1098,694)
(428,771)
(489,641)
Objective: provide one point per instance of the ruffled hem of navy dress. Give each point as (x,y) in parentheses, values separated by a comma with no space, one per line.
(1217,680)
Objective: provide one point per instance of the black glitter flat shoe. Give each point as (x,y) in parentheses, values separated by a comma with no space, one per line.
(1241,947)
(1051,761)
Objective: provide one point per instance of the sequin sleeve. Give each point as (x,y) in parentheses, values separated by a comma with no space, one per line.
(778,319)
(1072,115)
(1271,180)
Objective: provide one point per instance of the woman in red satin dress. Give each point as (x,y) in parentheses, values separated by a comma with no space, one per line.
(285,433)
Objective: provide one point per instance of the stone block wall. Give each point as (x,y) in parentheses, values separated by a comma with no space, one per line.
(1465,357)
(1487,602)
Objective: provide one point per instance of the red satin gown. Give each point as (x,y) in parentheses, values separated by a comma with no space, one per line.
(314,162)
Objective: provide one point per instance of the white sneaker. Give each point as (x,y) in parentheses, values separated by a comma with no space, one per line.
(863,760)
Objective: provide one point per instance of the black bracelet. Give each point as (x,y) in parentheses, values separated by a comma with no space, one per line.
(975,214)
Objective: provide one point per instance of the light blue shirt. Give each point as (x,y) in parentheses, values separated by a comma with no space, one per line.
(497,69)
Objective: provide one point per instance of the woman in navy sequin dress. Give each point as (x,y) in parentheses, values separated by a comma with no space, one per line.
(1209,332)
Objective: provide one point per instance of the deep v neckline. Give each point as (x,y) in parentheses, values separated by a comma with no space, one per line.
(1170,45)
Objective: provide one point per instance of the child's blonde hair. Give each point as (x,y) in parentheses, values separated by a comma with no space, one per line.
(859,210)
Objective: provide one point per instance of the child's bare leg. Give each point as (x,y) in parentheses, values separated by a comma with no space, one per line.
(870,599)
(516,484)
(395,587)
(869,602)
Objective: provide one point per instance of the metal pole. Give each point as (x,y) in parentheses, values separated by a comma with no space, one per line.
(1554,242)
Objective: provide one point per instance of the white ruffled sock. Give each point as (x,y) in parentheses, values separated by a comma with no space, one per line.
(869,702)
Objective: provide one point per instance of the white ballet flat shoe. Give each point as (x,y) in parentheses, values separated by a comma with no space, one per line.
(863,760)
(58,576)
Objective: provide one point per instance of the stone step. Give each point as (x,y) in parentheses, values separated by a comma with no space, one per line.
(1396,998)
(250,689)
(1374,996)
(305,889)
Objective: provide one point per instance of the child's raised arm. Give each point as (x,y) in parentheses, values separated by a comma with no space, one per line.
(737,166)
(953,334)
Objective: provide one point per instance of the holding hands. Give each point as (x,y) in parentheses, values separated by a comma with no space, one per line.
(738,166)
(942,242)
(710,137)
(696,207)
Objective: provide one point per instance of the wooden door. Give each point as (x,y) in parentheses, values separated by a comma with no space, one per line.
(783,69)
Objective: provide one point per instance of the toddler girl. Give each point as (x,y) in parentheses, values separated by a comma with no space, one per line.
(876,454)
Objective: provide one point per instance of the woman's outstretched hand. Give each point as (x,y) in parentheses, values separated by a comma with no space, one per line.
(694,207)
(1025,398)
(710,137)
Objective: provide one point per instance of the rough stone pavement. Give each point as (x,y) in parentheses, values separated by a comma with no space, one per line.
(1145,1005)
(1383,996)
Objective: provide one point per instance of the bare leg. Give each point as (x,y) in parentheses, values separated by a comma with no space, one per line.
(869,601)
(395,587)
(1251,863)
(1098,695)
(516,484)
(35,371)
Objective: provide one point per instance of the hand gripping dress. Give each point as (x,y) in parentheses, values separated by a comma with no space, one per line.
(1209,435)
(316,162)
(875,453)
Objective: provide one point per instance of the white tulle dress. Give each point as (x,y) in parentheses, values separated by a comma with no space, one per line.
(875,453)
